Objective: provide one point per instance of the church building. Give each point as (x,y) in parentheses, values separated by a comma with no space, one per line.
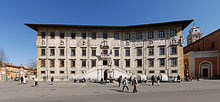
(201,55)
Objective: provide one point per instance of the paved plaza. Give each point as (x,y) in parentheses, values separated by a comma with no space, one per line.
(202,91)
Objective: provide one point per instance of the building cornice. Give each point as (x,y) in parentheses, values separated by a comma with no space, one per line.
(183,23)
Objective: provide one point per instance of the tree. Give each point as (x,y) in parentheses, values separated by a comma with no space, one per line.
(3,56)
(32,63)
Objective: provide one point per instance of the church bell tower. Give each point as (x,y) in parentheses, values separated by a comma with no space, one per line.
(194,34)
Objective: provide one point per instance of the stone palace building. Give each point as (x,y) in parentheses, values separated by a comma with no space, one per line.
(90,51)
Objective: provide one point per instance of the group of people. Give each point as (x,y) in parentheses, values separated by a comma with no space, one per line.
(155,79)
(125,83)
(24,79)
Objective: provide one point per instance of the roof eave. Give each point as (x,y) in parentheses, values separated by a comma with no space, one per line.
(184,24)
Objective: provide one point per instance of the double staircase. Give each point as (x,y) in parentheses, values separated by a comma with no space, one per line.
(99,72)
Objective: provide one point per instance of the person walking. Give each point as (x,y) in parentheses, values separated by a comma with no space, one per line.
(125,84)
(152,80)
(178,78)
(158,80)
(52,79)
(36,82)
(119,81)
(135,84)
(22,79)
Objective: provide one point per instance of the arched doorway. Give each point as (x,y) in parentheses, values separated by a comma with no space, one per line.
(205,69)
(105,74)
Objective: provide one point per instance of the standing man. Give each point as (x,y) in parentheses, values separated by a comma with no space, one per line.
(36,82)
(22,79)
(158,80)
(178,78)
(135,84)
(152,80)
(52,79)
(198,77)
(25,79)
(119,81)
(125,84)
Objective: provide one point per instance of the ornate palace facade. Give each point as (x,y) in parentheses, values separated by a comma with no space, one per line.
(76,51)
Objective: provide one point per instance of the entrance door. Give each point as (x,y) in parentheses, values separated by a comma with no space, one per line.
(105,75)
(105,62)
(205,72)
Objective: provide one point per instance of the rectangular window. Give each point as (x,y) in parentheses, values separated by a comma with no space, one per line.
(150,35)
(105,62)
(127,52)
(61,52)
(43,35)
(173,62)
(139,36)
(139,72)
(151,62)
(173,32)
(62,35)
(83,63)
(83,35)
(127,63)
(116,36)
(117,52)
(52,63)
(61,72)
(162,62)
(52,72)
(151,51)
(42,72)
(116,63)
(151,71)
(52,35)
(43,63)
(73,63)
(127,36)
(43,52)
(174,71)
(73,52)
(185,66)
(162,50)
(139,51)
(73,35)
(93,35)
(213,45)
(52,52)
(162,71)
(83,52)
(73,72)
(61,63)
(93,52)
(105,35)
(139,63)
(161,34)
(93,63)
(173,50)
(105,52)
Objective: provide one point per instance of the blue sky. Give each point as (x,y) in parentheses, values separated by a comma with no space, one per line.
(19,41)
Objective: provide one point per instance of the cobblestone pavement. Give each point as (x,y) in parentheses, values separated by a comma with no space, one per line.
(202,91)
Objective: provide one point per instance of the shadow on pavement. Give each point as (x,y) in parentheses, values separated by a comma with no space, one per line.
(118,90)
